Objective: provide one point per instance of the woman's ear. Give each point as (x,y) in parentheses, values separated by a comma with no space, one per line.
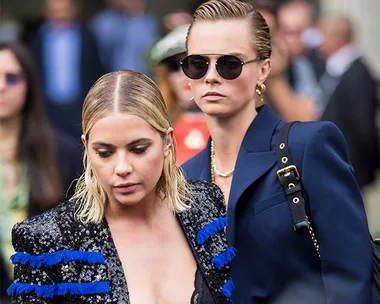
(169,141)
(83,139)
(264,70)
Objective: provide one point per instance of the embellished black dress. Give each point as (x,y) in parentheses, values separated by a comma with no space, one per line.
(62,260)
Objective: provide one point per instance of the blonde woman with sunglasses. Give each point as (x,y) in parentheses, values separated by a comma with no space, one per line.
(321,254)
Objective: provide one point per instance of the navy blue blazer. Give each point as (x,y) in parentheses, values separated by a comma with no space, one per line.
(274,263)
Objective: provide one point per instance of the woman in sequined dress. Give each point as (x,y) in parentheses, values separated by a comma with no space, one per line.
(135,230)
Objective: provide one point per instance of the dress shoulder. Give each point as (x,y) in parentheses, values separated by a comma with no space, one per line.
(206,195)
(39,233)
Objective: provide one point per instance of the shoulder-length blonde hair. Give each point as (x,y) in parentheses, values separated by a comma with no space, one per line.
(133,93)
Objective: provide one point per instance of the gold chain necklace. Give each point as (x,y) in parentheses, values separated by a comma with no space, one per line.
(214,169)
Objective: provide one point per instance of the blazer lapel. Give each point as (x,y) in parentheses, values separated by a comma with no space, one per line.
(206,210)
(206,163)
(201,166)
(254,160)
(100,240)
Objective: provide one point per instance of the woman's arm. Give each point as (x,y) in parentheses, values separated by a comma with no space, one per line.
(31,283)
(338,217)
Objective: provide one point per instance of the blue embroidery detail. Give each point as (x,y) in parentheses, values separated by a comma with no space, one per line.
(54,258)
(228,288)
(224,258)
(210,229)
(49,291)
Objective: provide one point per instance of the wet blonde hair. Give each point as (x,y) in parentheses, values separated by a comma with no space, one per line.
(216,10)
(133,93)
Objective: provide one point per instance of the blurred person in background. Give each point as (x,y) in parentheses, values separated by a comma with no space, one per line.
(280,94)
(125,33)
(68,61)
(10,29)
(296,19)
(176,19)
(37,166)
(350,95)
(190,128)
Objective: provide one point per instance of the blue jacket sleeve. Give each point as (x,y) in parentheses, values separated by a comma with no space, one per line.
(338,217)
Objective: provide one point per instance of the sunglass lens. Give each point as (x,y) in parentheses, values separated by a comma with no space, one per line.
(13,79)
(229,67)
(195,66)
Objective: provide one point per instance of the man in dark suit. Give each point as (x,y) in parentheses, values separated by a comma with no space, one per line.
(69,63)
(350,95)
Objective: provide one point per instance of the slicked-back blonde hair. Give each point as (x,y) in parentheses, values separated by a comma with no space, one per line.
(216,10)
(133,93)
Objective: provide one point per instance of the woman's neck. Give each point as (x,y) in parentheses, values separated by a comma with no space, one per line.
(227,135)
(145,212)
(9,136)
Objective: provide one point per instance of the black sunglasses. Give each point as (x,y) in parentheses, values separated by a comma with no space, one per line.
(12,79)
(228,66)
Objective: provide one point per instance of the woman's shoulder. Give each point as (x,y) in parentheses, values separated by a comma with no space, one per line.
(37,234)
(317,136)
(207,205)
(303,132)
(206,195)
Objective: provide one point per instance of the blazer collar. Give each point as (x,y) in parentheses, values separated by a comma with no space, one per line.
(258,137)
(255,158)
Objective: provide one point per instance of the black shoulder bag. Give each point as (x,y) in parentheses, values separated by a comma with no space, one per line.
(290,180)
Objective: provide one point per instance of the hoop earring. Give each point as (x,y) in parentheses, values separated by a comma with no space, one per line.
(260,91)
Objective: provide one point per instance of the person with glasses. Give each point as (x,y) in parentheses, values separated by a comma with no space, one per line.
(135,231)
(190,128)
(37,164)
(277,261)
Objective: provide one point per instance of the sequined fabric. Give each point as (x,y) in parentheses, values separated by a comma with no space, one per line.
(58,230)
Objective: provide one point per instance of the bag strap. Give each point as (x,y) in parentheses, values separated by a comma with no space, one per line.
(290,180)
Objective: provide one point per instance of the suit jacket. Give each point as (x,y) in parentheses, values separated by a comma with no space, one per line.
(62,260)
(274,263)
(353,107)
(67,117)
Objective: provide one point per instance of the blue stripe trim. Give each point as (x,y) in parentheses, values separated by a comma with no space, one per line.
(49,291)
(54,258)
(228,288)
(210,229)
(224,258)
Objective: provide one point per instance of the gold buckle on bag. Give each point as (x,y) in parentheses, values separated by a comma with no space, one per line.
(286,171)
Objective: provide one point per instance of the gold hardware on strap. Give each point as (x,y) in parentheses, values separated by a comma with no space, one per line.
(314,240)
(287,170)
